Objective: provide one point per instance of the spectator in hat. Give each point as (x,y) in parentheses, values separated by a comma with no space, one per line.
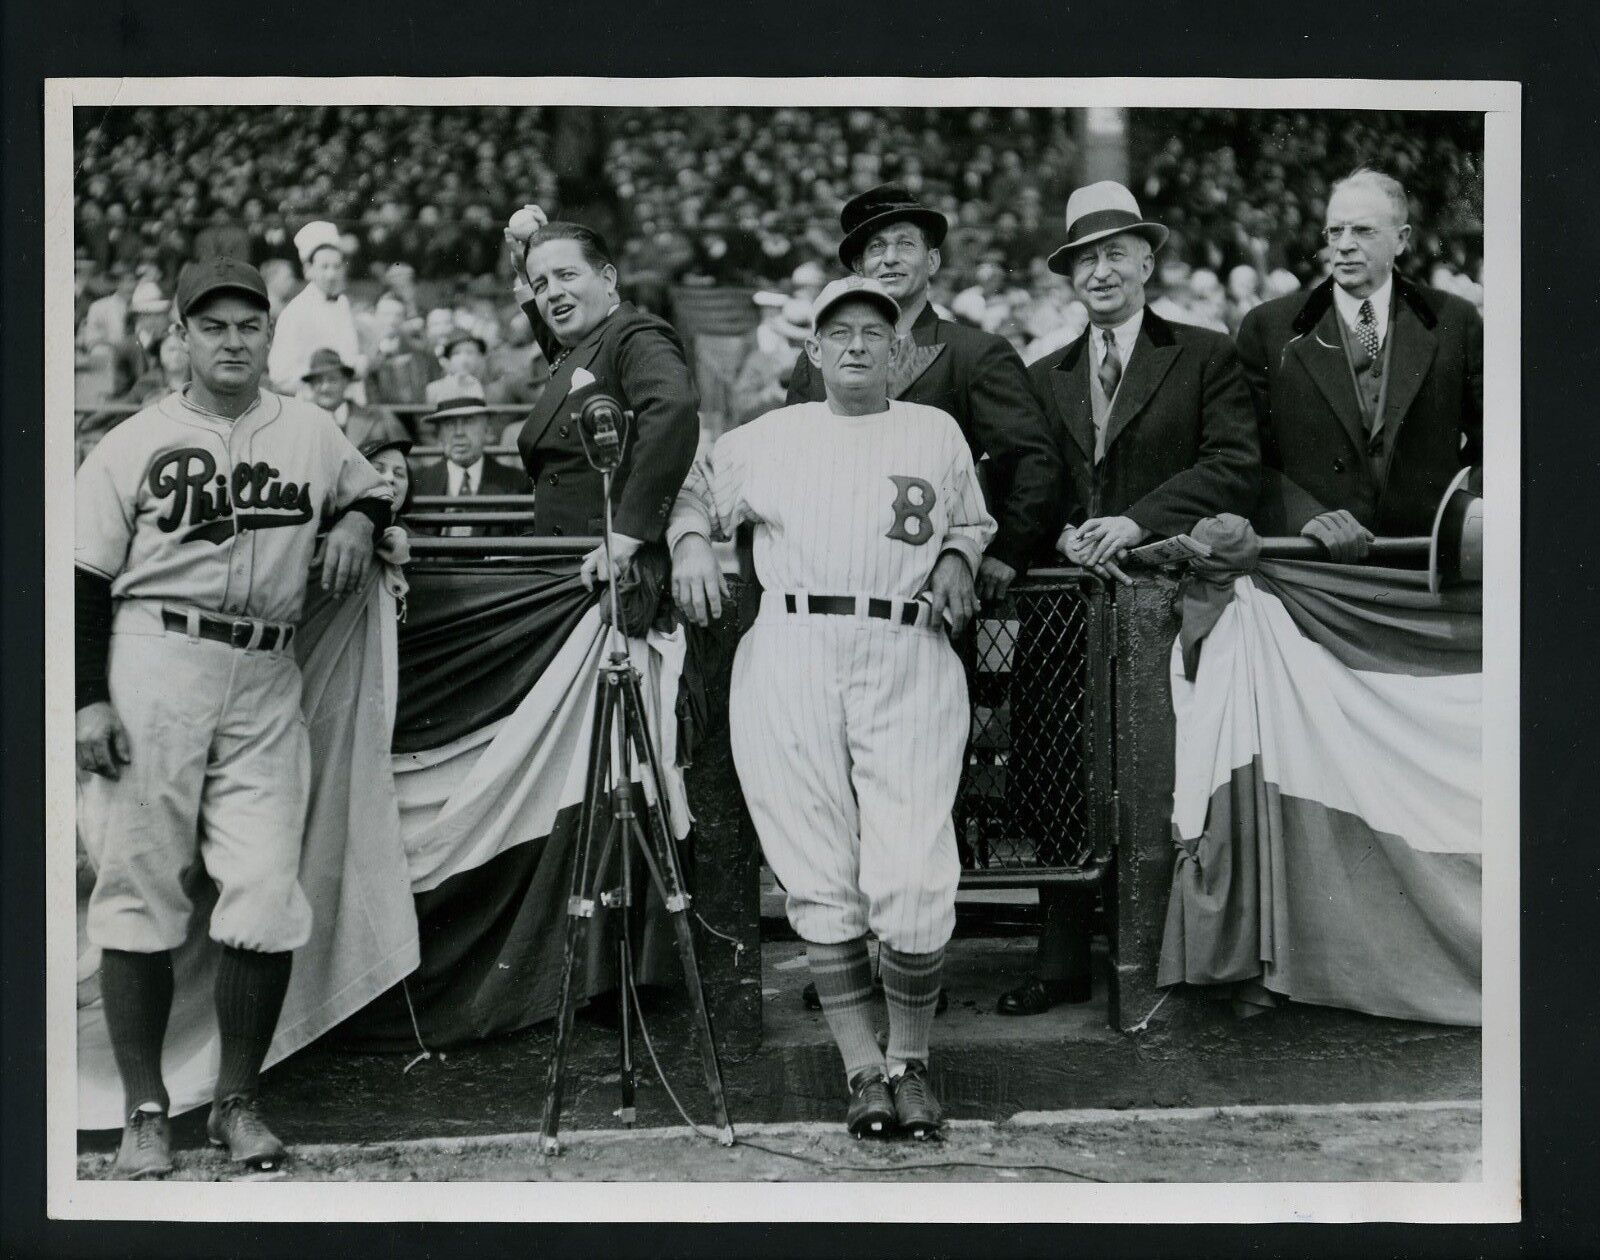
(461,418)
(1155,419)
(318,316)
(152,316)
(107,320)
(329,378)
(977,377)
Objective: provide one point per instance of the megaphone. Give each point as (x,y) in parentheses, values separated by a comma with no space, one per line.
(1455,548)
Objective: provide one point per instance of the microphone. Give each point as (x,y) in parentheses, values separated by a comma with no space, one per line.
(603,430)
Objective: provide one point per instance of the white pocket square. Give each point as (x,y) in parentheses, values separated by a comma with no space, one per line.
(582,378)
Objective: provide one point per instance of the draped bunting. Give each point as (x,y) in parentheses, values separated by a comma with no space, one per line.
(1328,793)
(352,867)
(446,861)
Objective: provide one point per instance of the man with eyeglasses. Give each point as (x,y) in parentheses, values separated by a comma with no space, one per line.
(1368,388)
(848,711)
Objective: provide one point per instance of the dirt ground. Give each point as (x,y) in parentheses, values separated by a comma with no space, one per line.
(1417,1141)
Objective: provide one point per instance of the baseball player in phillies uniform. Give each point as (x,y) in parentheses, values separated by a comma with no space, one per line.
(848,711)
(196,521)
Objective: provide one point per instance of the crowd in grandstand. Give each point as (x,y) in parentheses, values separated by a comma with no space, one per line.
(726,199)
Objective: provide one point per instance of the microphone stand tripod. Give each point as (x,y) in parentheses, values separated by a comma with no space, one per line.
(619,740)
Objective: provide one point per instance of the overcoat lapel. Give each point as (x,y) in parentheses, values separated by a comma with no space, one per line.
(1321,353)
(1147,367)
(1070,382)
(1410,357)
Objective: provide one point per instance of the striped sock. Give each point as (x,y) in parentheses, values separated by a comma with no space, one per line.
(911,983)
(843,975)
(249,991)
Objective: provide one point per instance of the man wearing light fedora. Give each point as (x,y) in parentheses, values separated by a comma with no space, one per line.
(1155,422)
(893,238)
(462,419)
(329,377)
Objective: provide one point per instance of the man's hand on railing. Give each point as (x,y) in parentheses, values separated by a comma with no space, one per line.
(1346,538)
(698,584)
(594,569)
(1077,550)
(994,580)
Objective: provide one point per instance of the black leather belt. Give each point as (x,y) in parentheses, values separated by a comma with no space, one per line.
(845,606)
(226,630)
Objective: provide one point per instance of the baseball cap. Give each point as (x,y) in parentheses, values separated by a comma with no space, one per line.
(853,287)
(202,279)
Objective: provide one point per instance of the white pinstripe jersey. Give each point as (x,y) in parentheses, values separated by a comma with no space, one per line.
(843,505)
(181,505)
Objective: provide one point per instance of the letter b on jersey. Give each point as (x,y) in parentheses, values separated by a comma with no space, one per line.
(913,510)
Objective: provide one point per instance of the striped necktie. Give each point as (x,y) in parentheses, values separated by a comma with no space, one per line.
(1110,369)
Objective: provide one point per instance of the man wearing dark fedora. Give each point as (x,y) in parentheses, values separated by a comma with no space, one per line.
(329,377)
(974,376)
(1155,422)
(462,419)
(1368,388)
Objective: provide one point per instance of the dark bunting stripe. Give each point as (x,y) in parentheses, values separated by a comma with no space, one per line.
(474,641)
(492,941)
(1381,620)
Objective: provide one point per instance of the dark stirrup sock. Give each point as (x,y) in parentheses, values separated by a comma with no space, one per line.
(911,985)
(136,990)
(249,996)
(843,974)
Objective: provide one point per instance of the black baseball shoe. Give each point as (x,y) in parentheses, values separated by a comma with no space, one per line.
(871,1112)
(235,1123)
(1037,996)
(812,1002)
(916,1107)
(146,1149)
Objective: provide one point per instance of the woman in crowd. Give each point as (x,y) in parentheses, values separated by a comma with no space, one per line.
(388,456)
(598,344)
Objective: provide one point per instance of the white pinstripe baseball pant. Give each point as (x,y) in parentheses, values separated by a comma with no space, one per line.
(848,735)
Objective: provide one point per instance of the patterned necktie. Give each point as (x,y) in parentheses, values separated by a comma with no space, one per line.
(1110,367)
(1367,329)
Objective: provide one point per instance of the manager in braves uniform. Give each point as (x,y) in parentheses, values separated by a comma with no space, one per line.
(196,520)
(848,712)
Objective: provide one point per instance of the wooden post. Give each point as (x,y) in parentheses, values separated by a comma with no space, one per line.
(1147,620)
(727,860)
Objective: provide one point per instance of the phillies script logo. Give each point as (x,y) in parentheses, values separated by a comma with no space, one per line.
(214,506)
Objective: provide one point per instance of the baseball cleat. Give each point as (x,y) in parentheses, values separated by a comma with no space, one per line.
(146,1149)
(235,1123)
(916,1107)
(871,1112)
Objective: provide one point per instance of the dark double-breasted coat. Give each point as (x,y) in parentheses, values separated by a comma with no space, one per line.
(1180,440)
(1313,435)
(639,360)
(977,378)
